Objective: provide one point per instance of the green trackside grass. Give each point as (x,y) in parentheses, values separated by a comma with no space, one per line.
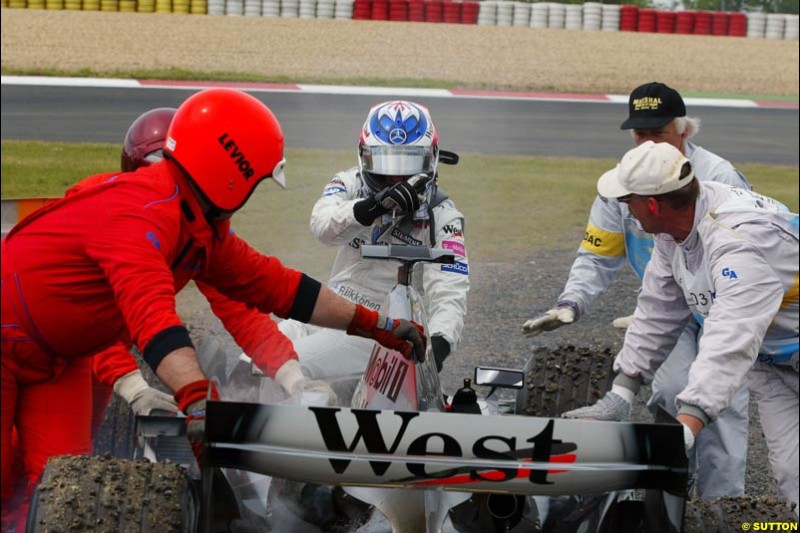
(514,206)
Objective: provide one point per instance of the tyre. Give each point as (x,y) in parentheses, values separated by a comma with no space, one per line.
(564,378)
(116,436)
(108,494)
(726,515)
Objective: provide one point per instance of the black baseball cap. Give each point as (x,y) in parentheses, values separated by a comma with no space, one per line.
(653,105)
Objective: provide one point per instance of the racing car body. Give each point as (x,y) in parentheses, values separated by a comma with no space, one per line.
(398,449)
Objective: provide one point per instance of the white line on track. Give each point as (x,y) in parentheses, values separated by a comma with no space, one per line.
(361,90)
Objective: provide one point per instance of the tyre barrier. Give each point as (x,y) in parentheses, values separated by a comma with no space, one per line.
(290,9)
(556,14)
(611,17)
(592,16)
(522,15)
(539,14)
(684,22)
(269,8)
(573,17)
(362,9)
(505,13)
(307,9)
(451,12)
(792,27)
(469,12)
(342,9)
(647,21)
(665,21)
(719,23)
(702,23)
(776,26)
(433,11)
(487,13)
(737,25)
(416,11)
(325,9)
(756,24)
(398,10)
(629,18)
(380,10)
(589,16)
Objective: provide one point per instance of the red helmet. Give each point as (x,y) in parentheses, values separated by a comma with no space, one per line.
(227,142)
(145,138)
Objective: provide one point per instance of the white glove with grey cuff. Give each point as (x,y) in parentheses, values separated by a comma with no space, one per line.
(616,406)
(290,376)
(142,398)
(564,313)
(622,322)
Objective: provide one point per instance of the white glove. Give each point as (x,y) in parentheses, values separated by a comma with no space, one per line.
(688,439)
(552,319)
(612,406)
(622,322)
(290,376)
(143,398)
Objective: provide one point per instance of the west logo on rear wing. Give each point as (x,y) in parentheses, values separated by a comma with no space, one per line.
(458,451)
(435,444)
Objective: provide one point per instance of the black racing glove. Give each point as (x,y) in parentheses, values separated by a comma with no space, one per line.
(441,349)
(402,197)
(367,210)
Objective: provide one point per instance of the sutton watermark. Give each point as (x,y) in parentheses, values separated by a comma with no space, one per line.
(769,526)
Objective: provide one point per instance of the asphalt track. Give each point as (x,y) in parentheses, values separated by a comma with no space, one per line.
(476,125)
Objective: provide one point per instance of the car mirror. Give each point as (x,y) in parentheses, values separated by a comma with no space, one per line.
(505,378)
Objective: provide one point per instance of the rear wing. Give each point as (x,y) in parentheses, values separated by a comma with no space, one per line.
(445,451)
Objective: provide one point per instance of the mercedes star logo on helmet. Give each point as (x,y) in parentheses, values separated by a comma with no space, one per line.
(397,136)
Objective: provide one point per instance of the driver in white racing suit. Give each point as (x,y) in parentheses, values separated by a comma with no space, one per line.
(729,258)
(392,196)
(614,237)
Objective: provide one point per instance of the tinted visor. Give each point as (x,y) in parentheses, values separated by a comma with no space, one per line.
(397,160)
(154,156)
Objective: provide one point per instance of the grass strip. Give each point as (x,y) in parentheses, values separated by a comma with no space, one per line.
(514,205)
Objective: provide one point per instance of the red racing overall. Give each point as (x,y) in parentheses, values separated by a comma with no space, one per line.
(99,270)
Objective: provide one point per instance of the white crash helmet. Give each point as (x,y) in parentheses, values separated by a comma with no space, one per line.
(398,140)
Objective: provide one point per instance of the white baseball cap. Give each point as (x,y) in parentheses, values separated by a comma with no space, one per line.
(649,169)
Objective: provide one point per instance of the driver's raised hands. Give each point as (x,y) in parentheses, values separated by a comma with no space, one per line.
(404,197)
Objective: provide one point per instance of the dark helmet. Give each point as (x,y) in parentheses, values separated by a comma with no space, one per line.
(145,139)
